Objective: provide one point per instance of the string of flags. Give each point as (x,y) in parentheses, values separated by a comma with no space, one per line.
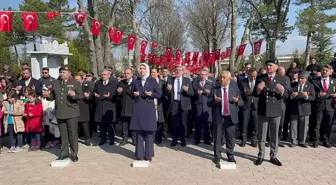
(30,22)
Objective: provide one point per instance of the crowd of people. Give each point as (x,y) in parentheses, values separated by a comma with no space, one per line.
(265,106)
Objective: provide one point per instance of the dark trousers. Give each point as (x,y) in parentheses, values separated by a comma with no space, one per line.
(250,116)
(104,127)
(35,138)
(201,123)
(146,151)
(86,129)
(161,131)
(228,128)
(15,138)
(126,132)
(323,122)
(179,122)
(69,136)
(285,127)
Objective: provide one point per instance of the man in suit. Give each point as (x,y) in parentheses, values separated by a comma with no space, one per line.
(124,93)
(241,77)
(104,95)
(203,118)
(67,92)
(46,79)
(325,89)
(302,94)
(179,92)
(250,107)
(165,103)
(224,101)
(271,90)
(29,81)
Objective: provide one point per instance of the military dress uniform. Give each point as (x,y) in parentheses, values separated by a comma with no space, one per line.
(67,113)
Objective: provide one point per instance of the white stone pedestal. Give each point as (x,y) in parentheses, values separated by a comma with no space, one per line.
(227,165)
(60,163)
(140,164)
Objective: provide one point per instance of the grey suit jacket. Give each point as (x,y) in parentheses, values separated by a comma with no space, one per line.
(185,96)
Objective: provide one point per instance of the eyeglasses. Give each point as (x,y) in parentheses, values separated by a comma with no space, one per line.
(44,72)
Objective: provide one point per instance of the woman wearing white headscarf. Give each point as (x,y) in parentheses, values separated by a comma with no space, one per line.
(145,89)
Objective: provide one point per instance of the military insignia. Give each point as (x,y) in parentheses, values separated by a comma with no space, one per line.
(70,86)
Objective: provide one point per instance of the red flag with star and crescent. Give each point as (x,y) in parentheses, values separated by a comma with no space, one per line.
(241,49)
(195,56)
(217,54)
(223,55)
(206,55)
(52,15)
(168,53)
(131,42)
(96,25)
(115,35)
(30,21)
(257,47)
(6,21)
(80,18)
(143,46)
(228,51)
(154,45)
(178,55)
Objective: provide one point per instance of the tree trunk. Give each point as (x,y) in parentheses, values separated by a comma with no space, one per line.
(272,47)
(308,48)
(233,35)
(243,40)
(252,46)
(92,53)
(137,35)
(17,55)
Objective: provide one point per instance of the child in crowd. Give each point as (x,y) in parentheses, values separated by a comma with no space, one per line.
(51,131)
(34,115)
(13,110)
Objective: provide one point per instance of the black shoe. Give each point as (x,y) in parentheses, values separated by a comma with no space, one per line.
(315,145)
(292,145)
(111,143)
(157,141)
(149,159)
(61,158)
(232,160)
(275,161)
(174,143)
(207,143)
(74,159)
(197,142)
(88,142)
(259,161)
(243,143)
(327,145)
(217,160)
(281,145)
(254,144)
(267,145)
(183,143)
(124,142)
(102,143)
(303,145)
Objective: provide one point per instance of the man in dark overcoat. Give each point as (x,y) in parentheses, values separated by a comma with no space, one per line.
(180,92)
(126,104)
(203,118)
(67,92)
(104,94)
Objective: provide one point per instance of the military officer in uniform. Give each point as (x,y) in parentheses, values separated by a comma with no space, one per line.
(271,89)
(67,92)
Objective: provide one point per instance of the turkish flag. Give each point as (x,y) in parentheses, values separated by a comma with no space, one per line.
(30,21)
(178,55)
(131,42)
(223,55)
(195,56)
(168,53)
(217,54)
(228,51)
(115,35)
(187,56)
(80,17)
(6,21)
(154,45)
(151,58)
(51,15)
(241,49)
(206,55)
(142,57)
(143,46)
(95,27)
(212,58)
(257,47)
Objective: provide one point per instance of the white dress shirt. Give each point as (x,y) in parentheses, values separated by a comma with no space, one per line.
(177,95)
(227,94)
(129,81)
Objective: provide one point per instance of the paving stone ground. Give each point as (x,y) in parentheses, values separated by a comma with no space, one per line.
(107,165)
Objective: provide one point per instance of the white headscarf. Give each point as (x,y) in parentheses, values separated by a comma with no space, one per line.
(147,71)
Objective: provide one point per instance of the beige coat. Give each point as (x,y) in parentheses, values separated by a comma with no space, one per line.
(19,125)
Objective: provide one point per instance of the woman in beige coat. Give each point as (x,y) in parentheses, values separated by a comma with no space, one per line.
(13,110)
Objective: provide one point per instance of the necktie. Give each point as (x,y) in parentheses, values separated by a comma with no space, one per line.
(325,88)
(270,78)
(202,84)
(178,89)
(104,83)
(300,88)
(225,104)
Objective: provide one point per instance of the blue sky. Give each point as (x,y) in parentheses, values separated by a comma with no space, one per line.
(295,41)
